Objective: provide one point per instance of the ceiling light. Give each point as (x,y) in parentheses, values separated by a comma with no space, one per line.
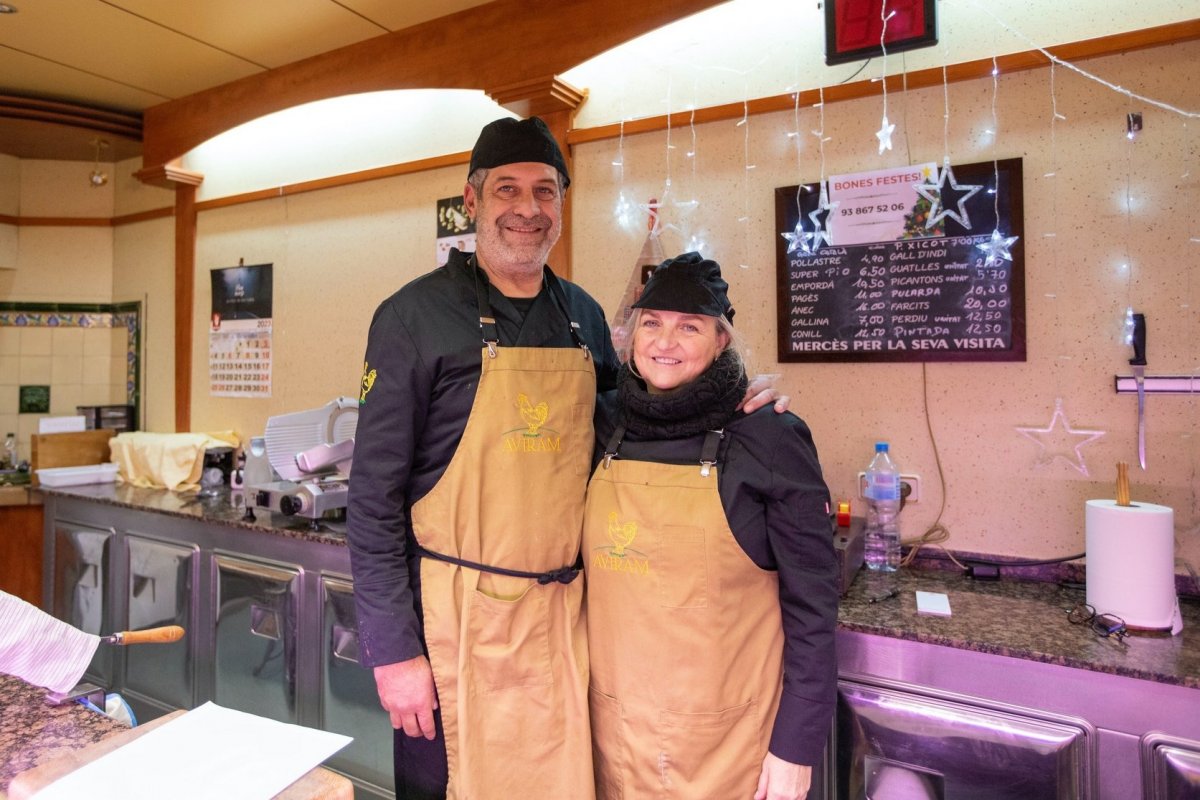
(98,178)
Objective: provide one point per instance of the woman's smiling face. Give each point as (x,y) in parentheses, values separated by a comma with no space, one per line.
(670,348)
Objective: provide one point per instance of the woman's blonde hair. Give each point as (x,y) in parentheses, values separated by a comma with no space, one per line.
(735,344)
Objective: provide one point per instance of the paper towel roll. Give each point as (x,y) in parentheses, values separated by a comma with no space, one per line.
(1131,562)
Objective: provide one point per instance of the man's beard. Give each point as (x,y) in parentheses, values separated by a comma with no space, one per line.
(498,252)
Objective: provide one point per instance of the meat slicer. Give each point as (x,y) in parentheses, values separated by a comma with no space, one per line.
(301,464)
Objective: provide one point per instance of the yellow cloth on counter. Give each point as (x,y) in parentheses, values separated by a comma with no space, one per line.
(165,460)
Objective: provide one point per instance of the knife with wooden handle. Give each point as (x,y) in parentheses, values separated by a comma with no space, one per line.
(1138,362)
(163,635)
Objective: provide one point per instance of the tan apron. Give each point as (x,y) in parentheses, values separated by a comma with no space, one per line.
(685,634)
(509,655)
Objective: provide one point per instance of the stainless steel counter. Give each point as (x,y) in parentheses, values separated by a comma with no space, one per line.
(1006,663)
(267,605)
(1019,619)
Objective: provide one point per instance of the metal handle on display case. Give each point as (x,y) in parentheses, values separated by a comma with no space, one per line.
(264,622)
(345,644)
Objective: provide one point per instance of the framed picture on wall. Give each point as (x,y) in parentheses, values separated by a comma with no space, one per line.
(33,400)
(454,228)
(854,28)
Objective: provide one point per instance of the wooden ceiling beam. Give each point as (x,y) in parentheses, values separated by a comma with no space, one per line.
(517,41)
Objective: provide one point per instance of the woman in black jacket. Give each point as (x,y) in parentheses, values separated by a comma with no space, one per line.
(712,588)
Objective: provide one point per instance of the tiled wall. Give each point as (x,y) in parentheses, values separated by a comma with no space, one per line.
(86,354)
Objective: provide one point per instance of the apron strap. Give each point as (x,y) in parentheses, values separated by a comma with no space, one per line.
(614,444)
(487,323)
(708,450)
(560,298)
(560,575)
(490,332)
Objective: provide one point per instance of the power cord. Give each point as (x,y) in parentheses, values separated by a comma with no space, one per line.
(936,533)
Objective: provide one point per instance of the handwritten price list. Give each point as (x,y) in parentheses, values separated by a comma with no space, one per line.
(931,299)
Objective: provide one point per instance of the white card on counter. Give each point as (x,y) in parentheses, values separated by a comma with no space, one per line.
(934,603)
(206,753)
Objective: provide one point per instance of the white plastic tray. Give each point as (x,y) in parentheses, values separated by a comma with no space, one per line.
(74,476)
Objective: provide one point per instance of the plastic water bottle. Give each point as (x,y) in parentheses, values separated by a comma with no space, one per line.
(8,458)
(883,506)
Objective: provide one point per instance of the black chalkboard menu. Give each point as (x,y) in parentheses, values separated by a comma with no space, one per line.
(923,293)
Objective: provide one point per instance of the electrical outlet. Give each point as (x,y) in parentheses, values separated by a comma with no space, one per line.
(915,482)
(912,480)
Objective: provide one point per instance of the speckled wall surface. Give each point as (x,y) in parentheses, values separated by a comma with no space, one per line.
(337,254)
(999,496)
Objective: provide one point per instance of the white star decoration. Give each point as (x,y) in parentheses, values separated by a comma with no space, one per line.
(1059,440)
(941,197)
(884,135)
(996,248)
(798,239)
(652,208)
(820,220)
(808,242)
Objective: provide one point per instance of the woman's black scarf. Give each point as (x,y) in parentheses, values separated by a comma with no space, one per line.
(707,403)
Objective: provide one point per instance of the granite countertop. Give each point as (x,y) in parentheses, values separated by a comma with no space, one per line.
(1017,618)
(1021,619)
(33,732)
(226,508)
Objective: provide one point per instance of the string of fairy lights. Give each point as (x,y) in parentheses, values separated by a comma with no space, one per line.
(946,196)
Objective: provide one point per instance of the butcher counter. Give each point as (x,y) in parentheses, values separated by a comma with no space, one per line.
(1004,693)
(40,743)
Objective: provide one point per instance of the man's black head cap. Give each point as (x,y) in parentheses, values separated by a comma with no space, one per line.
(512,141)
(689,284)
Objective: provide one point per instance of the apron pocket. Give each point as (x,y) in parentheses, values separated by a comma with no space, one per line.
(508,641)
(716,754)
(681,567)
(608,745)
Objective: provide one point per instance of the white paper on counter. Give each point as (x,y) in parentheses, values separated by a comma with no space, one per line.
(209,752)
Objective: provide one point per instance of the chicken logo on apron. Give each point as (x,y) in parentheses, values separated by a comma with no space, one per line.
(620,557)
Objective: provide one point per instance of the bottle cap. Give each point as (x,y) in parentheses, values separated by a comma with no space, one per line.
(881,447)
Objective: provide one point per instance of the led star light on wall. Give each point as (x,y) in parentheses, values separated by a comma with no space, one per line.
(1059,440)
(652,208)
(996,248)
(798,239)
(820,220)
(808,242)
(942,197)
(884,134)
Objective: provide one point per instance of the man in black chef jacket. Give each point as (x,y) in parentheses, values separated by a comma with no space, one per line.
(472,453)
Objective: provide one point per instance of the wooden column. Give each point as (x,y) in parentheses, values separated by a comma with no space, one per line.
(555,101)
(21,544)
(184,183)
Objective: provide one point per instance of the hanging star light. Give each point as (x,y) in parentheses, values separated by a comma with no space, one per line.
(1059,440)
(942,197)
(996,248)
(884,135)
(808,242)
(798,239)
(820,220)
(652,208)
